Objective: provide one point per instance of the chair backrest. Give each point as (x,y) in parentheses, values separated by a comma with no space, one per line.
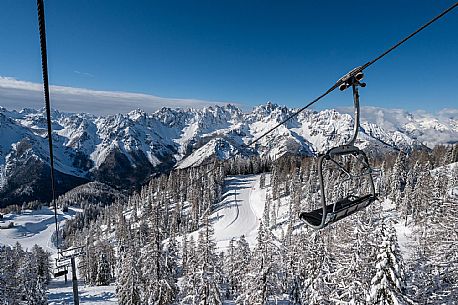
(334,211)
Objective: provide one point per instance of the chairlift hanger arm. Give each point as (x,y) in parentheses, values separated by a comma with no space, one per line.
(352,79)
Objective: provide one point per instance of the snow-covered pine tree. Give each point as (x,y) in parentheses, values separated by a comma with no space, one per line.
(355,253)
(317,269)
(129,282)
(242,258)
(262,279)
(293,265)
(42,260)
(89,260)
(104,254)
(435,259)
(398,178)
(388,283)
(454,157)
(208,275)
(172,258)
(421,194)
(12,287)
(23,275)
(33,284)
(158,277)
(189,292)
(184,255)
(229,270)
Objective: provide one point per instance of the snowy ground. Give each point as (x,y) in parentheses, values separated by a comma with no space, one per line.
(37,227)
(403,232)
(32,227)
(238,214)
(61,293)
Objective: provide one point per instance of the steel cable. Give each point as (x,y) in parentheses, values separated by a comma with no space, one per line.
(44,68)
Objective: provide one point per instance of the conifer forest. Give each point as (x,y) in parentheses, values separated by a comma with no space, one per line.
(158,246)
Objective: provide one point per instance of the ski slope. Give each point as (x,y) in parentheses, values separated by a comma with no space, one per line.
(33,227)
(240,211)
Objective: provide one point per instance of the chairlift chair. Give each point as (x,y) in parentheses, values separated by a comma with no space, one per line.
(60,270)
(351,203)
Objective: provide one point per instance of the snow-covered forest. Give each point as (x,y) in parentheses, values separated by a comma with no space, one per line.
(159,246)
(24,275)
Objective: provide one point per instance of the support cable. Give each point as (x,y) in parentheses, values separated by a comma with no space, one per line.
(44,67)
(355,71)
(331,89)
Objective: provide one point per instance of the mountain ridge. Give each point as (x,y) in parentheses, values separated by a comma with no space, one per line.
(125,150)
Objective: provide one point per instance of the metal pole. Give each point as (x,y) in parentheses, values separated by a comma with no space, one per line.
(356,105)
(76,299)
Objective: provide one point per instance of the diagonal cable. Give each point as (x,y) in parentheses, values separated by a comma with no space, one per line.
(331,89)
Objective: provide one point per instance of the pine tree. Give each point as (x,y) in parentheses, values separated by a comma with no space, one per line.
(209,275)
(189,291)
(129,285)
(435,259)
(262,280)
(159,266)
(242,258)
(42,261)
(316,264)
(388,283)
(184,255)
(398,178)
(172,258)
(104,275)
(230,269)
(32,282)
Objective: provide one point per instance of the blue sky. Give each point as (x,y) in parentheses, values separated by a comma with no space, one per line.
(246,52)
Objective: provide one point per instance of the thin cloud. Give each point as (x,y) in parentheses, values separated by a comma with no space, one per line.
(427,124)
(17,94)
(83,73)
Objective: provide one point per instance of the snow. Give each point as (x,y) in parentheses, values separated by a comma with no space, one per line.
(32,227)
(61,293)
(37,227)
(404,235)
(233,219)
(175,133)
(428,128)
(223,150)
(242,217)
(403,232)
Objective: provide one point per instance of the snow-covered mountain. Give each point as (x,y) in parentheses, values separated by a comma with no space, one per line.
(124,150)
(430,129)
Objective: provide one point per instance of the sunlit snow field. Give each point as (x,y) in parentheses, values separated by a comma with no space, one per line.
(37,227)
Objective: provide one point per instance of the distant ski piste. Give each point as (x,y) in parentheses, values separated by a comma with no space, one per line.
(32,227)
(240,211)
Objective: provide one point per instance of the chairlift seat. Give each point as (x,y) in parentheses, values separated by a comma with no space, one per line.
(334,212)
(60,273)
